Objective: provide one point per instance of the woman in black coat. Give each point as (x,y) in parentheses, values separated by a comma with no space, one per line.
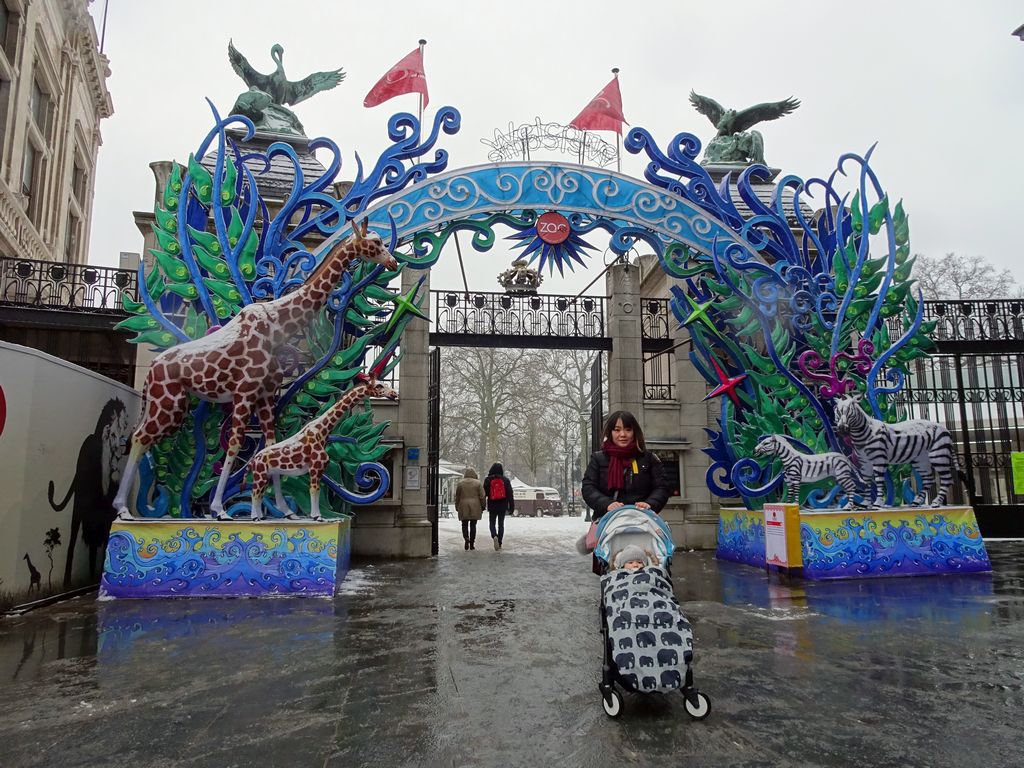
(624,471)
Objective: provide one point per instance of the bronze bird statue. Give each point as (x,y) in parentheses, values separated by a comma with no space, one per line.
(733,143)
(264,102)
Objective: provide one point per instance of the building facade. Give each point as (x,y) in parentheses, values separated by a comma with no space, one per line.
(53,96)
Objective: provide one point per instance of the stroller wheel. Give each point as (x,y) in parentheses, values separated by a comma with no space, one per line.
(698,706)
(612,703)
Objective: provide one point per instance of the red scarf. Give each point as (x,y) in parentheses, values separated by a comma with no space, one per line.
(618,458)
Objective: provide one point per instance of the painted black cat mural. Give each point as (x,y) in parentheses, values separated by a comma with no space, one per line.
(95,483)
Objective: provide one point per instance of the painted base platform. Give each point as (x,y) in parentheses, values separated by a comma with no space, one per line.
(212,558)
(845,544)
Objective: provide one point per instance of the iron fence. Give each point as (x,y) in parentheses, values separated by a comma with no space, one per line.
(68,287)
(506,314)
(654,319)
(982,320)
(658,379)
(980,399)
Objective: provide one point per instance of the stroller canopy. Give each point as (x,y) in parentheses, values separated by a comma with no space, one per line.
(639,527)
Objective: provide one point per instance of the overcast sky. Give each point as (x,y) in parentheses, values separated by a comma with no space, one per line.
(939,86)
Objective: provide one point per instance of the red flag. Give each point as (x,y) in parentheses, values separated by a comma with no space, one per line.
(407,76)
(604,112)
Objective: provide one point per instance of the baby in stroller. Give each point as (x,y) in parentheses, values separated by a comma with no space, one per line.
(648,644)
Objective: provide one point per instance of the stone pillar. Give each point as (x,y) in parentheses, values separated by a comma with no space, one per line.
(412,524)
(625,363)
(700,525)
(399,526)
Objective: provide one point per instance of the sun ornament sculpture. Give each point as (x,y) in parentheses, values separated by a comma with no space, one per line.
(551,242)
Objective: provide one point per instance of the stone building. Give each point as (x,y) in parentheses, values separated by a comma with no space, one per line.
(53,95)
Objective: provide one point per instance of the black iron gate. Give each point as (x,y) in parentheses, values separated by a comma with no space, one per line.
(975,386)
(433,443)
(979,398)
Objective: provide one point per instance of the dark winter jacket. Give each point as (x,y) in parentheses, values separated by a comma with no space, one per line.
(507,504)
(648,484)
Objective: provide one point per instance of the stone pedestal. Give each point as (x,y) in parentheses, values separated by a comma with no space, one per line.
(214,558)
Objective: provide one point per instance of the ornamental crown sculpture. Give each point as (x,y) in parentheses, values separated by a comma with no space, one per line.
(520,278)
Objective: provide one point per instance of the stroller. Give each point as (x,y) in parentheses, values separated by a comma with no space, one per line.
(648,644)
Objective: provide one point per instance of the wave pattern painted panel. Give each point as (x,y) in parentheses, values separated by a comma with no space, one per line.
(218,559)
(741,536)
(891,542)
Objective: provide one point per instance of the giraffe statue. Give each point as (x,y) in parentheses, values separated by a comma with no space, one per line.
(304,451)
(237,363)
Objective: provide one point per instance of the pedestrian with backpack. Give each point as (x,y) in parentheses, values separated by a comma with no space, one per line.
(499,502)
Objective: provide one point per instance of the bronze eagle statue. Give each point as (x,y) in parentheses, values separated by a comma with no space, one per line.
(264,102)
(733,143)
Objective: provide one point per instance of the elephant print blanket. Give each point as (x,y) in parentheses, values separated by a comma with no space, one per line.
(651,641)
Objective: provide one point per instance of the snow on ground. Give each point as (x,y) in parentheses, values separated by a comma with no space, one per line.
(358,580)
(533,535)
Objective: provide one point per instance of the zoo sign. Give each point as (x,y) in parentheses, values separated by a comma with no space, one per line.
(553,228)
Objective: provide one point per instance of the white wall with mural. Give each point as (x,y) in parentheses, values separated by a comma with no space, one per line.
(63,431)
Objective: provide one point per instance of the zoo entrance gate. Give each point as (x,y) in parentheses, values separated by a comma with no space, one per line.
(534,321)
(972,384)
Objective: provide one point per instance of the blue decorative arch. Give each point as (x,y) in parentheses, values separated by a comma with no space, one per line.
(627,208)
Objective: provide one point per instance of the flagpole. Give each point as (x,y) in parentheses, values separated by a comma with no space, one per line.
(618,134)
(422,45)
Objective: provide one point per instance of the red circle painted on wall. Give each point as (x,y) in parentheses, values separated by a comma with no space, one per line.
(3,410)
(553,228)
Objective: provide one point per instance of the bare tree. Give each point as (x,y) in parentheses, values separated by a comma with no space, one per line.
(956,276)
(484,390)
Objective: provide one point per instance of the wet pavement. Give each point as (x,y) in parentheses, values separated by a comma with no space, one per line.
(492,659)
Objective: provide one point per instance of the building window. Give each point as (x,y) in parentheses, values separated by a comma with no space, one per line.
(39,105)
(71,239)
(5,23)
(78,183)
(5,97)
(31,174)
(28,170)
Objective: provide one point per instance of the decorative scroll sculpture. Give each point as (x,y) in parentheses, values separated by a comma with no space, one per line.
(264,102)
(220,252)
(800,468)
(787,311)
(734,143)
(239,363)
(925,445)
(304,452)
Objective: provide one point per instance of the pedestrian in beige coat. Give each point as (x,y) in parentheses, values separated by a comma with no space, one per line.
(469,503)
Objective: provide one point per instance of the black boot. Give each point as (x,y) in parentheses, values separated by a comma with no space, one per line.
(472,544)
(467,543)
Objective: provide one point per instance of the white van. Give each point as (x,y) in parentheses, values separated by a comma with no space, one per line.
(537,502)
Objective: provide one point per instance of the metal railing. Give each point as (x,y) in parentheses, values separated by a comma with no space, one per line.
(980,320)
(67,287)
(659,382)
(506,314)
(654,318)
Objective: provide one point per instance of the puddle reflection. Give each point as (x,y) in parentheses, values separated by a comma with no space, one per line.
(124,623)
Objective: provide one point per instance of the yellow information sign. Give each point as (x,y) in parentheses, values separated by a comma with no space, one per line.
(1017,461)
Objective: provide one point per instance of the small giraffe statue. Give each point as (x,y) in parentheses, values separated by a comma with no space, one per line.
(237,363)
(37,578)
(304,451)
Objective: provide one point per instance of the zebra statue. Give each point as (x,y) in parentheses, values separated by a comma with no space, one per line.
(925,445)
(800,468)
